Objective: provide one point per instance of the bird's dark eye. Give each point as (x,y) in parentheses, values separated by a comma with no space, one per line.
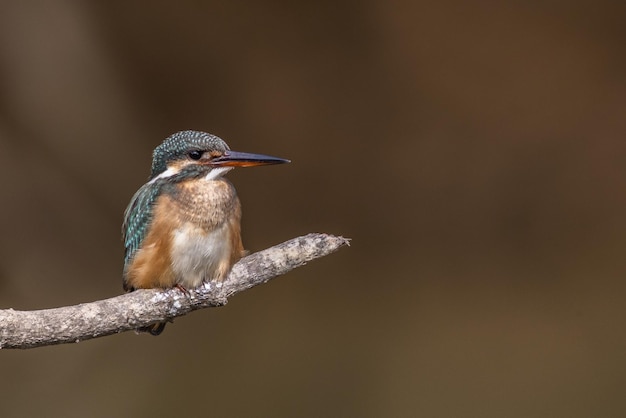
(195,155)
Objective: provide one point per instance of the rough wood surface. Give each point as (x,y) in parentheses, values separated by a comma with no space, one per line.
(29,329)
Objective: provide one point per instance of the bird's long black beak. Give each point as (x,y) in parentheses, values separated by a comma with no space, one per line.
(245,159)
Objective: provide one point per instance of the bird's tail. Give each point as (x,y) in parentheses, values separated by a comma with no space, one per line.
(154,329)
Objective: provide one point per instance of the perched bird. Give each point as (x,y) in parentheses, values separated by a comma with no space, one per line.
(182,227)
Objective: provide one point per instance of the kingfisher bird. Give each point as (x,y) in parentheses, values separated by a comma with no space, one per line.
(182,227)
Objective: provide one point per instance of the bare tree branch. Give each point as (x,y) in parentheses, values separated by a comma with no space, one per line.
(29,329)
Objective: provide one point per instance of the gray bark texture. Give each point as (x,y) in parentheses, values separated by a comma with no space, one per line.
(29,329)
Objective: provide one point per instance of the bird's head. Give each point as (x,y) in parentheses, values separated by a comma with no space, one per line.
(190,154)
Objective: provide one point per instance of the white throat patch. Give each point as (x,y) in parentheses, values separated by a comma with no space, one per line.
(218,172)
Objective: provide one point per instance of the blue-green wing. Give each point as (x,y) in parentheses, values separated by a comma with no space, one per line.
(137,219)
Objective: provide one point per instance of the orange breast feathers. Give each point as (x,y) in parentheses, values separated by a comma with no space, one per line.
(194,236)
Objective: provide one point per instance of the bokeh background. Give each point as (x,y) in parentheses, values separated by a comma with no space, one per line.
(474,152)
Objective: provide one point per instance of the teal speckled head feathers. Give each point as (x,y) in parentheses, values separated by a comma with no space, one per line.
(182,143)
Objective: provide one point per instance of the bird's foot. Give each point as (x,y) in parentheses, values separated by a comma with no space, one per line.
(182,289)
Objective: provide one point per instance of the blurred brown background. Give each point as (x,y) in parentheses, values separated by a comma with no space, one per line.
(474,152)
